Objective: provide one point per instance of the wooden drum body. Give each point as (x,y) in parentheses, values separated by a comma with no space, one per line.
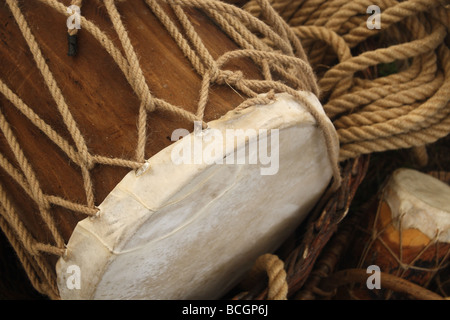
(89,176)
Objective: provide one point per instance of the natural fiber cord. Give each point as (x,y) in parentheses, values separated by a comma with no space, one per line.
(310,44)
(285,56)
(377,112)
(406,108)
(271,267)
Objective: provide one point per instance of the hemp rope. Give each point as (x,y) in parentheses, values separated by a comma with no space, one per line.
(407,109)
(272,267)
(285,57)
(379,138)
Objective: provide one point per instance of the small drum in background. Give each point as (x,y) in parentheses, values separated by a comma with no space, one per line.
(107,191)
(408,234)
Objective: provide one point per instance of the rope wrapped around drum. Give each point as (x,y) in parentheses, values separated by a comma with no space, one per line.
(319,47)
(285,60)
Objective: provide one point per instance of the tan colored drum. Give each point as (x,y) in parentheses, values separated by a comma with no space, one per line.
(97,195)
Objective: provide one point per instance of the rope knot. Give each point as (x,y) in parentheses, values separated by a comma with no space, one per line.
(231,78)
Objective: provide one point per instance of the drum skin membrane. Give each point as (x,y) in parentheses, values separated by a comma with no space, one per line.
(192,231)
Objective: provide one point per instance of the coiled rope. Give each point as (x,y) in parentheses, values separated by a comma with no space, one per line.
(372,111)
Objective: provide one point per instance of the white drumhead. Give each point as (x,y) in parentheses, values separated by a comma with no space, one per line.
(422,202)
(191,231)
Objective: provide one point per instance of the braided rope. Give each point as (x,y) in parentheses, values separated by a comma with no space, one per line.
(409,108)
(284,56)
(406,109)
(273,267)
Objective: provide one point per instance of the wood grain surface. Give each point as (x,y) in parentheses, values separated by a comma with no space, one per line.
(99,97)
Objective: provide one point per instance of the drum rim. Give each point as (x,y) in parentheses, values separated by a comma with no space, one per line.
(280,119)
